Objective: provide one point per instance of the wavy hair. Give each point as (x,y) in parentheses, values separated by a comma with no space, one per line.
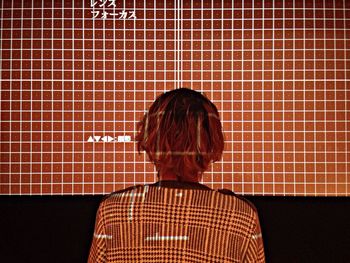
(181,133)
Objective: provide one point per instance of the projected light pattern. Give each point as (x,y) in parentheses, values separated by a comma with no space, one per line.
(76,77)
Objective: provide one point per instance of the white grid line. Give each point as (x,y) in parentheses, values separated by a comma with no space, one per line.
(194,8)
(335,107)
(10,139)
(325,95)
(83,86)
(263,99)
(21,85)
(124,96)
(1,109)
(211,67)
(231,115)
(41,105)
(222,77)
(346,106)
(294,106)
(93,105)
(283,107)
(52,107)
(273,98)
(103,105)
(73,95)
(314,120)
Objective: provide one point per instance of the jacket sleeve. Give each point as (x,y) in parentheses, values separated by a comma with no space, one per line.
(98,247)
(255,251)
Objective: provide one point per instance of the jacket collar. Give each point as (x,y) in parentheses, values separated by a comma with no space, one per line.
(178,184)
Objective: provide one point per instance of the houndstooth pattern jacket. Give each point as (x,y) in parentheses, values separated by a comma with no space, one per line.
(173,221)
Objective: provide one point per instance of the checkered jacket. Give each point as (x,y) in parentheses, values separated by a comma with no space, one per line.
(176,222)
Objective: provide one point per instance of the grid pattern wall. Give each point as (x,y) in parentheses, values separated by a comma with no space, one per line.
(77,76)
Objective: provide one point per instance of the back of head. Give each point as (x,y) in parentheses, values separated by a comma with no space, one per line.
(181,133)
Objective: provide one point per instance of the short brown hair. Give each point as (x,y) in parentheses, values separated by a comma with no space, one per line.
(181,133)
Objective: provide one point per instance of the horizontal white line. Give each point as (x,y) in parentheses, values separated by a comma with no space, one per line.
(193,41)
(227,17)
(191,153)
(65,121)
(103,236)
(202,60)
(62,110)
(236,72)
(257,193)
(219,162)
(135,152)
(173,81)
(130,194)
(156,237)
(290,194)
(235,183)
(173,61)
(194,8)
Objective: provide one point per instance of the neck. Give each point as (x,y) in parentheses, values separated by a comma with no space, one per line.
(169,176)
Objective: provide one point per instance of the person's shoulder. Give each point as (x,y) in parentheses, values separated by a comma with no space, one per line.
(111,196)
(238,197)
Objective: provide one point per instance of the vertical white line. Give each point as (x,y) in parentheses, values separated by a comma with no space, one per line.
(315,96)
(73,92)
(335,104)
(175,45)
(273,100)
(52,99)
(232,102)
(182,44)
(325,93)
(304,95)
(202,54)
(202,45)
(124,95)
(283,99)
(83,164)
(93,106)
(211,68)
(63,93)
(346,101)
(10,91)
(134,84)
(263,97)
(294,105)
(114,98)
(181,41)
(31,105)
(1,82)
(253,102)
(41,95)
(222,77)
(242,96)
(103,105)
(192,40)
(165,46)
(201,50)
(144,77)
(154,96)
(20,104)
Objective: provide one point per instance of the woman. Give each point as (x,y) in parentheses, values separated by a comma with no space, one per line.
(177,219)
